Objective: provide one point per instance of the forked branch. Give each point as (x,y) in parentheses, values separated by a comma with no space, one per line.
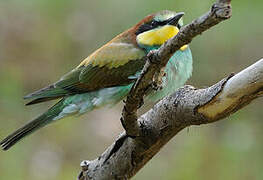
(187,106)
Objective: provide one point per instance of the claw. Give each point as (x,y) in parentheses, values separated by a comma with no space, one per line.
(156,86)
(158,83)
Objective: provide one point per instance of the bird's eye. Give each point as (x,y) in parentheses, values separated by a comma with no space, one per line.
(154,24)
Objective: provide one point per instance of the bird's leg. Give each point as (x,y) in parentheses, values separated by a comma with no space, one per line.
(158,79)
(157,83)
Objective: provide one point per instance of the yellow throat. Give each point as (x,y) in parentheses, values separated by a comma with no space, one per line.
(158,36)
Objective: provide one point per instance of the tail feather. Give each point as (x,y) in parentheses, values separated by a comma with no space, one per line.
(48,93)
(19,134)
(32,126)
(40,100)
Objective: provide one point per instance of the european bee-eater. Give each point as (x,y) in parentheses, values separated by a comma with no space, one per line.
(106,76)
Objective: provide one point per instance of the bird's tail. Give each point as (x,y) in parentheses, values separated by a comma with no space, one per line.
(70,105)
(33,125)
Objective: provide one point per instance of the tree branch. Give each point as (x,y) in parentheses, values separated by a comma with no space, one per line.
(187,106)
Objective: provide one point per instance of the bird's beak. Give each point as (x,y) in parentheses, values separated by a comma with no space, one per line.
(176,18)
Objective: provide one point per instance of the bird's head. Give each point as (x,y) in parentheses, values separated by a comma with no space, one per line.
(156,29)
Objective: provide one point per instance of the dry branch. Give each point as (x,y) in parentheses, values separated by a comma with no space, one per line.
(187,106)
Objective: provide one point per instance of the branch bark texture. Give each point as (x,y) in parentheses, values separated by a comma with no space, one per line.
(187,106)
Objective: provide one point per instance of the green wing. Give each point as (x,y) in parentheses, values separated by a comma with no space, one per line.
(112,65)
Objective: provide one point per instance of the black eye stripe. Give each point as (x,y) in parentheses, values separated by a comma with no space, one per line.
(161,23)
(143,28)
(151,25)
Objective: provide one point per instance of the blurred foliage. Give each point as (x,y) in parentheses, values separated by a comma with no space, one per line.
(40,40)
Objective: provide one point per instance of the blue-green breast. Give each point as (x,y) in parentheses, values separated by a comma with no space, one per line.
(178,71)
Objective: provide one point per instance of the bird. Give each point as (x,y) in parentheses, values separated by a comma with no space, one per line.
(106,76)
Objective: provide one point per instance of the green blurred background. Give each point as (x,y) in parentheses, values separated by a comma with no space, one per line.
(40,40)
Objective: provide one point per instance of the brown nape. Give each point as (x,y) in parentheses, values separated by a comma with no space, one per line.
(132,31)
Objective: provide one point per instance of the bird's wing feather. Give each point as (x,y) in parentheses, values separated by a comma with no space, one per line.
(112,65)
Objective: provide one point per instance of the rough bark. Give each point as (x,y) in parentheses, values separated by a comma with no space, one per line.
(145,136)
(187,106)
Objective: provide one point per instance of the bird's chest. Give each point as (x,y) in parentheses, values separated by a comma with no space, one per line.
(176,73)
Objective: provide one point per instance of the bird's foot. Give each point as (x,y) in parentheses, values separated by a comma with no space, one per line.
(156,86)
(158,80)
